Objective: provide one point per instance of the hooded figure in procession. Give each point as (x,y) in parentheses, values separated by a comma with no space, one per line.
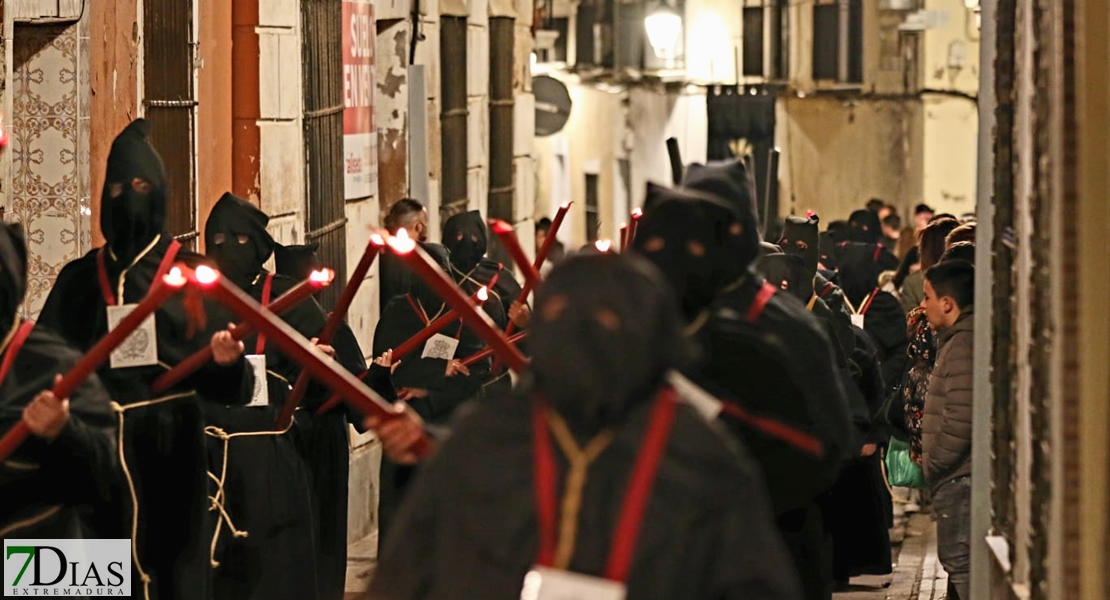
(761,346)
(60,483)
(467,239)
(539,482)
(303,467)
(163,440)
(857,509)
(432,379)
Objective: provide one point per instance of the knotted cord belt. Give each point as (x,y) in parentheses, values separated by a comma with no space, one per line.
(119,409)
(219,500)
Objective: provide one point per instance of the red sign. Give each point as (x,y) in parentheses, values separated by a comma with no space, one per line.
(359,133)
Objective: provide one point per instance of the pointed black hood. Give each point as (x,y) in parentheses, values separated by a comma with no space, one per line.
(864,227)
(733,184)
(233,218)
(466,238)
(133,202)
(296,261)
(605,332)
(801,237)
(13,273)
(693,239)
(789,273)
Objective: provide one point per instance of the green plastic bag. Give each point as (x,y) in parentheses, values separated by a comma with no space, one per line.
(901,471)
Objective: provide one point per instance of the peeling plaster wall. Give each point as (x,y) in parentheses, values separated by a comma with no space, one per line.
(837,155)
(391,110)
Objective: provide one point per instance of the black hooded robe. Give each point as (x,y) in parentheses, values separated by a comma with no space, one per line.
(163,438)
(469,528)
(733,316)
(66,487)
(467,239)
(401,319)
(289,491)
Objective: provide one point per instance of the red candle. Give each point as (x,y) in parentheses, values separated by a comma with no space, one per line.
(155,297)
(318,365)
(504,232)
(335,319)
(425,268)
(548,242)
(297,294)
(637,214)
(486,353)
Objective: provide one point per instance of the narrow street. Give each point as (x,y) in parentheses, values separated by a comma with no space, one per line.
(917,573)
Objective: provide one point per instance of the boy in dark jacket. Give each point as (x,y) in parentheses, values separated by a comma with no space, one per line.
(946,427)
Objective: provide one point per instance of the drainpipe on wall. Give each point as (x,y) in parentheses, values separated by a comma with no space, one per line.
(453,61)
(502,41)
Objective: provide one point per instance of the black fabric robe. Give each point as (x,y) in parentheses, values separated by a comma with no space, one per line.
(469,528)
(398,323)
(467,239)
(858,509)
(605,334)
(164,444)
(776,363)
(68,487)
(288,489)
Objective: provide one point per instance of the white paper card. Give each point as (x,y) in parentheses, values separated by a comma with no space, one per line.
(543,583)
(857,320)
(440,346)
(261,394)
(708,406)
(140,349)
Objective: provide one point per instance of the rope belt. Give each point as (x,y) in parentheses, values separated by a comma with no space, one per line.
(119,409)
(219,500)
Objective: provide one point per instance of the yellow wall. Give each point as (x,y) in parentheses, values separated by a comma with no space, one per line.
(951,63)
(950,131)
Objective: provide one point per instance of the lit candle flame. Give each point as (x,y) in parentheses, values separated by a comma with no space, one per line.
(603,245)
(624,226)
(174,278)
(377,240)
(637,213)
(483,294)
(565,205)
(322,276)
(207,275)
(401,242)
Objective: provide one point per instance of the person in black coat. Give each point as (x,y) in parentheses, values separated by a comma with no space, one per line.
(605,334)
(163,438)
(761,346)
(61,483)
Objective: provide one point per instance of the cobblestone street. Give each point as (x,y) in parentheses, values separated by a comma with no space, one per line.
(917,573)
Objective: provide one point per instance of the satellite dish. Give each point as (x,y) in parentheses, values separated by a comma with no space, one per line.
(552,105)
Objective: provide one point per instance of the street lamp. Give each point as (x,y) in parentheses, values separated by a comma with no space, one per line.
(664,26)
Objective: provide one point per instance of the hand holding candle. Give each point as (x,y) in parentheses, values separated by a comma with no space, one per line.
(315,362)
(478,299)
(504,232)
(161,291)
(298,293)
(335,319)
(425,268)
